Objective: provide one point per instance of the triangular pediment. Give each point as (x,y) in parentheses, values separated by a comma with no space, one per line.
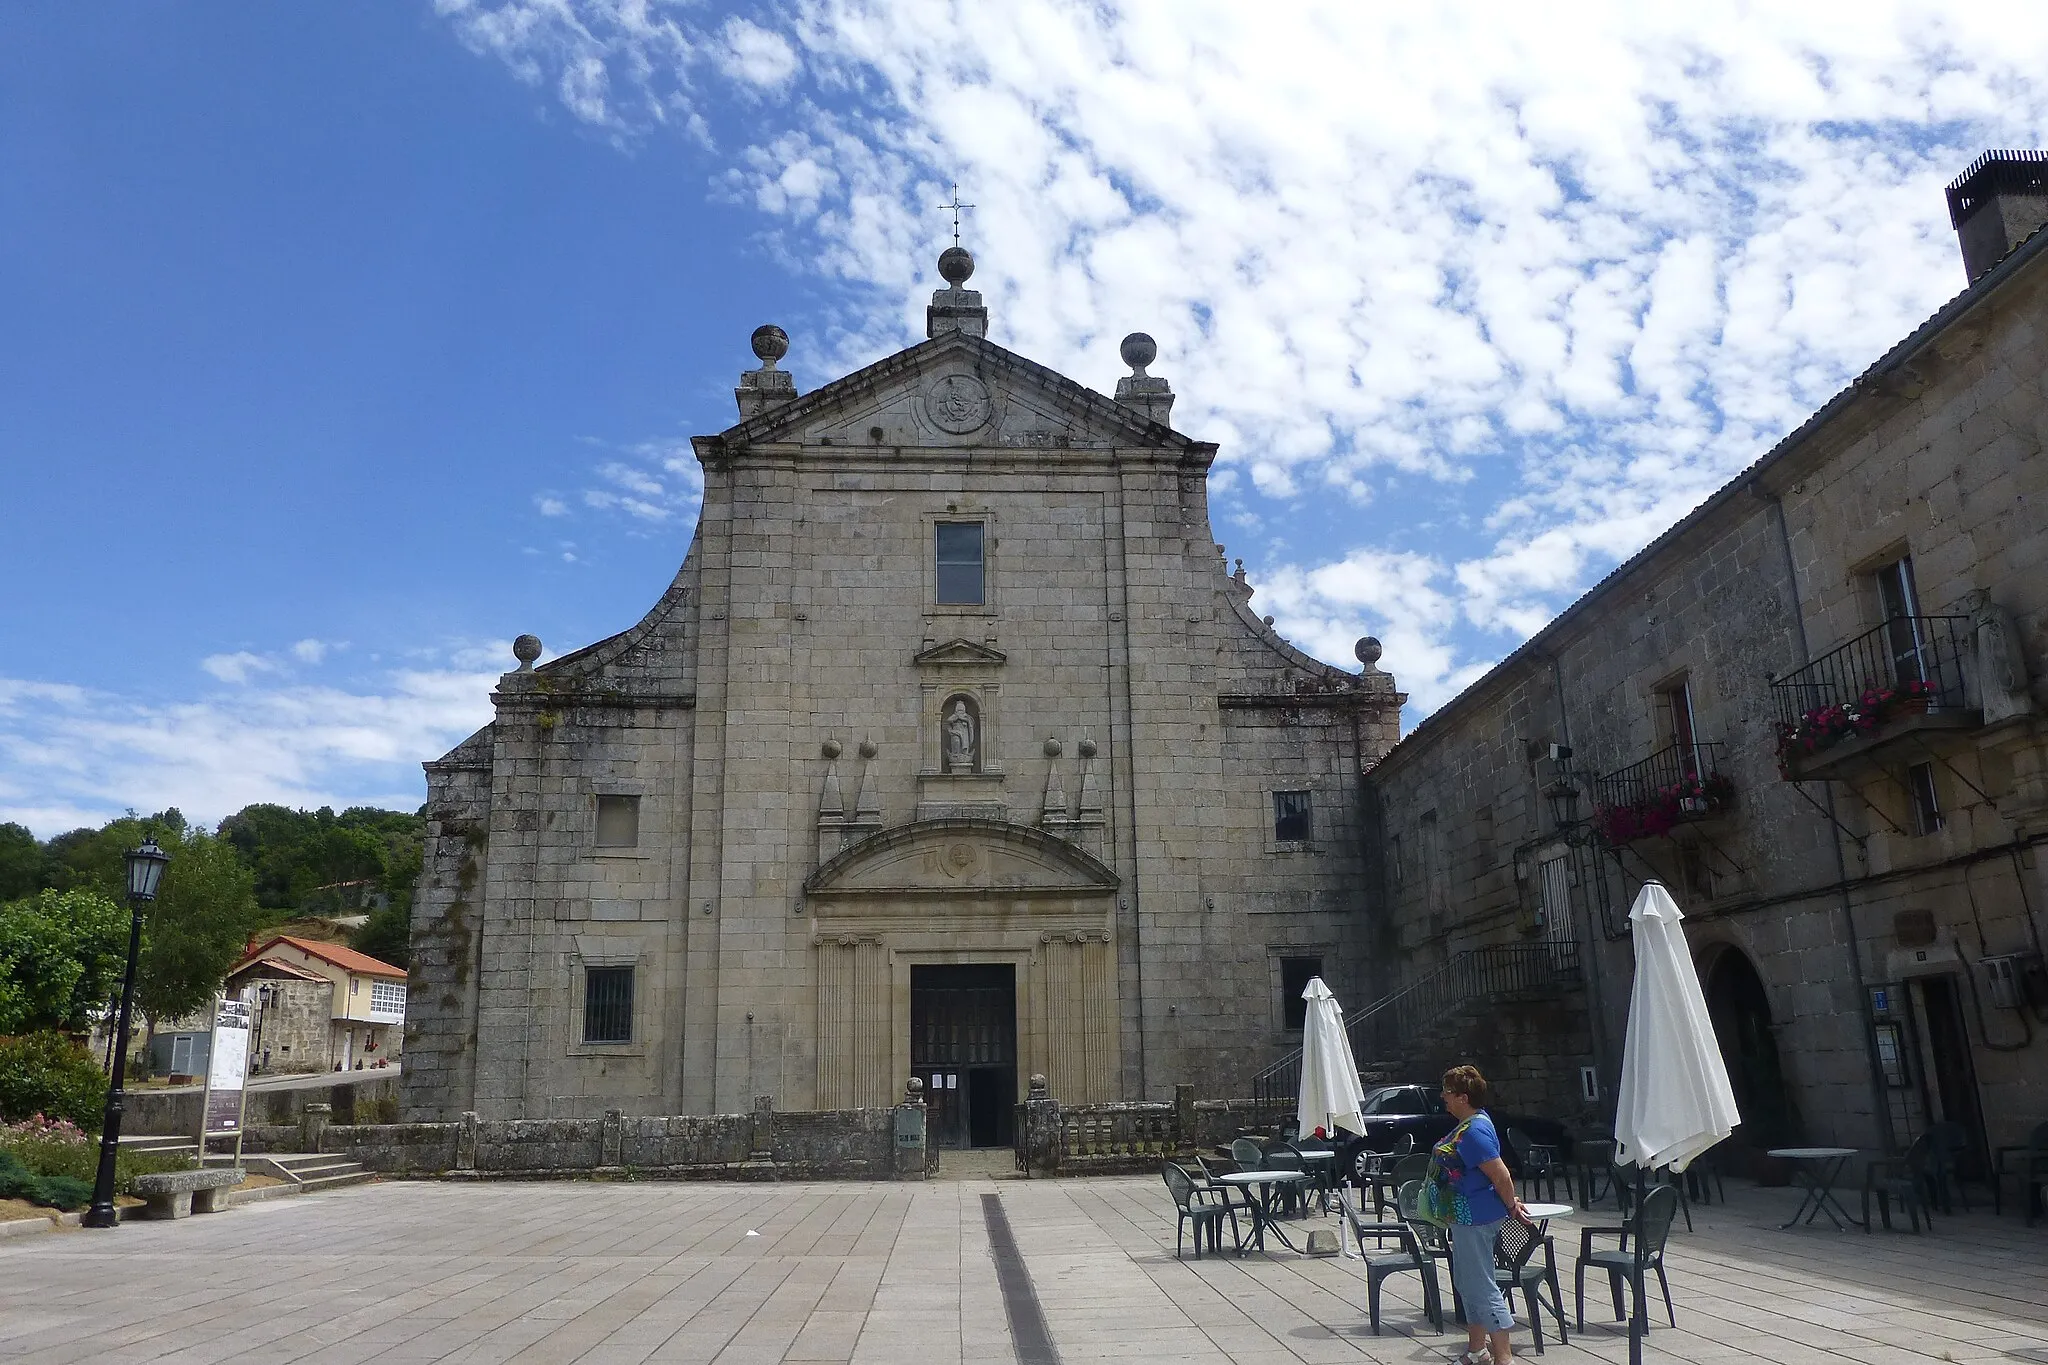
(960,652)
(957,391)
(952,858)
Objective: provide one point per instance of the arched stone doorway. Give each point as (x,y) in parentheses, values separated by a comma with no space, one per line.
(1741,1011)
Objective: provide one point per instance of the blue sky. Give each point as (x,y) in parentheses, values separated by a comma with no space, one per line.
(347,342)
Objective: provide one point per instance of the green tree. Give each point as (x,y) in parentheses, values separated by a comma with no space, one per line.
(21,863)
(204,915)
(61,958)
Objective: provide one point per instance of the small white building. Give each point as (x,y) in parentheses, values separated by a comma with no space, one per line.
(367,1010)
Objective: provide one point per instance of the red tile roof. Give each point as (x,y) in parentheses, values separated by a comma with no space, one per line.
(348,959)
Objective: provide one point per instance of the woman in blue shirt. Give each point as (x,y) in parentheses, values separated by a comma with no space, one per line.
(1483,1195)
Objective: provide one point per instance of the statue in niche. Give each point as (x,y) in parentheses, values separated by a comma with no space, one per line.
(962,740)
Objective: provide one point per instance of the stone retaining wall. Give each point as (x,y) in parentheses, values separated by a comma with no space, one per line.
(842,1144)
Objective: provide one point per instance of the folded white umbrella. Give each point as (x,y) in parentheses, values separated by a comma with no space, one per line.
(1330,1092)
(1675,1099)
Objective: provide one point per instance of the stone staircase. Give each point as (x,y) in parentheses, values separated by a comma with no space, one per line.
(310,1172)
(160,1145)
(316,1173)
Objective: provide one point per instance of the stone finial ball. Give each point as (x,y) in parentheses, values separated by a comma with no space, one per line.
(1052,748)
(867,748)
(1368,650)
(526,649)
(956,265)
(1087,748)
(771,343)
(830,748)
(1139,351)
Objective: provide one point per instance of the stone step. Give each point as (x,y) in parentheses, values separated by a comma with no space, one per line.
(171,1144)
(320,1172)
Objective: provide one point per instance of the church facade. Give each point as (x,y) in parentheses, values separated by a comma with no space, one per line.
(953,750)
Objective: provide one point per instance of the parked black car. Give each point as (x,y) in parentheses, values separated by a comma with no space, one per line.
(1393,1111)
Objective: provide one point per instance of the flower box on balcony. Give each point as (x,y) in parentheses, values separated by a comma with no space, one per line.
(1824,726)
(1689,799)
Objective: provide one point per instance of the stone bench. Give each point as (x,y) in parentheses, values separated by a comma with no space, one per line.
(176,1194)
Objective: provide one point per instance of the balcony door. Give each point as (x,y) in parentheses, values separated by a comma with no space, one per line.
(1674,717)
(1900,603)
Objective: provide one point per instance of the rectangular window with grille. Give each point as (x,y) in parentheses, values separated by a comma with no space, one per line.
(1291,817)
(608,1004)
(961,580)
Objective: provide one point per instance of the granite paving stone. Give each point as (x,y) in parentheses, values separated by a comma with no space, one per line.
(512,1273)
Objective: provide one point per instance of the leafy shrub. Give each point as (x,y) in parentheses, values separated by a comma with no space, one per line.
(47,1073)
(56,1149)
(56,1192)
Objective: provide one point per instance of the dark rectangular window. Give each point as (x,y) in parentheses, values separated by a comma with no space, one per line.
(1926,802)
(607,1004)
(1290,817)
(618,821)
(1295,973)
(960,578)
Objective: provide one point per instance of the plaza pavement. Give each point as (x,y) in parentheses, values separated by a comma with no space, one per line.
(406,1273)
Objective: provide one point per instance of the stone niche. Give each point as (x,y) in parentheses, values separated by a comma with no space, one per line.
(960,686)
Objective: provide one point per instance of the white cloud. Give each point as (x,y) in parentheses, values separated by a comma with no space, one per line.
(1565,269)
(650,483)
(71,756)
(310,651)
(238,667)
(756,55)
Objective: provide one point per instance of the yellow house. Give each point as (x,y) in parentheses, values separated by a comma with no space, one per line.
(368,1011)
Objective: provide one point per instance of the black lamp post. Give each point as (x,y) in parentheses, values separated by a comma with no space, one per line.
(145,870)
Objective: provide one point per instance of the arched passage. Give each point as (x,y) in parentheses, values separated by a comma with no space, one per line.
(1741,1011)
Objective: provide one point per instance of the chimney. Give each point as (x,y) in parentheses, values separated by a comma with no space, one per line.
(1996,204)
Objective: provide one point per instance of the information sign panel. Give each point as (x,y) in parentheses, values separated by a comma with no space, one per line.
(227,1068)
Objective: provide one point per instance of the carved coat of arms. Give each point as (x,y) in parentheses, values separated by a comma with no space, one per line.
(957,403)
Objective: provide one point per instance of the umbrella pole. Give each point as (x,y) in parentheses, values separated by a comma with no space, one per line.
(1639,1320)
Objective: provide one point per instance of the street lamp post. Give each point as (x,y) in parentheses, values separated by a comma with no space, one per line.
(145,870)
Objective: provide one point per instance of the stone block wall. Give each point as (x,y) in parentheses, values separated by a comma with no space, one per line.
(829,1145)
(1936,455)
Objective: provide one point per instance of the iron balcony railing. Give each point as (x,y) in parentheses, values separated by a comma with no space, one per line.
(1678,771)
(1908,664)
(1380,1031)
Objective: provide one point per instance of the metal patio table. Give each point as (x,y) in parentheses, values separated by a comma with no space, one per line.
(1262,1211)
(1817,1169)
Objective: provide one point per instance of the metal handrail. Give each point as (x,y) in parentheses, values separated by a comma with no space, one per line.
(1924,652)
(1640,783)
(1380,1027)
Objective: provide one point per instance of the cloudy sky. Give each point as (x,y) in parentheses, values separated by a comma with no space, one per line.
(347,342)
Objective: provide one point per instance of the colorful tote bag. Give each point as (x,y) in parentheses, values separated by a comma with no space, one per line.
(1437,1203)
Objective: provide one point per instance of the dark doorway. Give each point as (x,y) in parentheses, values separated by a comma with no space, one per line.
(1952,1072)
(963,1045)
(1741,1011)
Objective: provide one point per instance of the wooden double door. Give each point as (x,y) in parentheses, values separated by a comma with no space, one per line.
(963,1045)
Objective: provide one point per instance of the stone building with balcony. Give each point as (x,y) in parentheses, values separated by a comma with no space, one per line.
(1814,709)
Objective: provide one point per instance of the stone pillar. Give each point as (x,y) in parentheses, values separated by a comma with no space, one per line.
(761,1133)
(1040,1138)
(1184,1136)
(313,1125)
(909,1132)
(612,1138)
(465,1142)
